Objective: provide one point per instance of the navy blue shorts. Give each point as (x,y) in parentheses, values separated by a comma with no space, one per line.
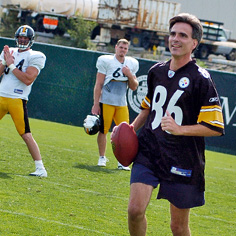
(180,195)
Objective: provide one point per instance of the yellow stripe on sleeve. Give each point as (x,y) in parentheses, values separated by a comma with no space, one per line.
(145,103)
(211,115)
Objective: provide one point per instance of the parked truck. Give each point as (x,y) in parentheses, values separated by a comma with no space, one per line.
(216,40)
(143,22)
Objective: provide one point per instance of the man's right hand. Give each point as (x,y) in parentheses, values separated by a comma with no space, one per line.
(96,109)
(8,55)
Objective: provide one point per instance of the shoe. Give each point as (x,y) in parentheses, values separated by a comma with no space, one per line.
(39,172)
(102,161)
(121,167)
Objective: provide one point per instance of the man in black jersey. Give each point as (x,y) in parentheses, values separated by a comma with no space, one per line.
(180,109)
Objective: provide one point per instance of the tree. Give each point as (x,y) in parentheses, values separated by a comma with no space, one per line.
(9,24)
(80,32)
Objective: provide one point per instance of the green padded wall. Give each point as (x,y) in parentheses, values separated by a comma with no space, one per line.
(63,92)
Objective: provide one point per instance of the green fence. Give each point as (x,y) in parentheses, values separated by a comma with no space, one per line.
(63,92)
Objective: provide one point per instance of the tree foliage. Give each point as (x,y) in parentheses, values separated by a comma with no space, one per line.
(9,24)
(80,31)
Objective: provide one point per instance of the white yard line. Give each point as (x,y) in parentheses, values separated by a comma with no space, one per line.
(55,222)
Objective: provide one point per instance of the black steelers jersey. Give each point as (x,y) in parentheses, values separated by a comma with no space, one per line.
(190,96)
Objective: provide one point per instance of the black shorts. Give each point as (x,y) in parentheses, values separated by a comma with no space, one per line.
(180,195)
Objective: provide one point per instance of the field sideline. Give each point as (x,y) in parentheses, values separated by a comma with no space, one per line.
(79,198)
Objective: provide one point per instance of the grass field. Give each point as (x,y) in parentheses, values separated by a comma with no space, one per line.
(79,198)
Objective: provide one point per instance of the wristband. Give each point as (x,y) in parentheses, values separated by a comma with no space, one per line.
(3,62)
(12,67)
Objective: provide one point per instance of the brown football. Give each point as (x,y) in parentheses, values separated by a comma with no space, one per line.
(124,143)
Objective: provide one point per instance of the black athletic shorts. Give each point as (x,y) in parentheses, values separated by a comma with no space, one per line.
(180,195)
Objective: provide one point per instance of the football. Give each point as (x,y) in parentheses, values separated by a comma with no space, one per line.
(124,143)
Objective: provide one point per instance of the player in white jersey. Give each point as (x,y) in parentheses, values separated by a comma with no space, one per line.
(19,68)
(115,74)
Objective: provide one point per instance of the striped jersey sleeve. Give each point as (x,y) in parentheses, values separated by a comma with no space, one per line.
(211,115)
(145,103)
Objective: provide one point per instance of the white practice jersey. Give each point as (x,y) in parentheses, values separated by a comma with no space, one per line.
(115,84)
(12,87)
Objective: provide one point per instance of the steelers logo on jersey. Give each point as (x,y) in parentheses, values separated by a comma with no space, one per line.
(184,82)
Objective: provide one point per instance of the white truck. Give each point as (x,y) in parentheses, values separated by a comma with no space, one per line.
(215,41)
(143,22)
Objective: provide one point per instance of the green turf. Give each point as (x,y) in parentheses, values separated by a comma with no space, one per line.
(79,198)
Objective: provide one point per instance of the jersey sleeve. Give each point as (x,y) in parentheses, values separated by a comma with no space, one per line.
(210,114)
(146,103)
(101,65)
(135,66)
(38,60)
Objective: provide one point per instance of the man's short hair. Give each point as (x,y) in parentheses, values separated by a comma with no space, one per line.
(191,20)
(125,41)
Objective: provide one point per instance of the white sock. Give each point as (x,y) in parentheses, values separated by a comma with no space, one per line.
(39,164)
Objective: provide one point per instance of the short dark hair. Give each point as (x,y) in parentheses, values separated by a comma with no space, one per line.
(191,20)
